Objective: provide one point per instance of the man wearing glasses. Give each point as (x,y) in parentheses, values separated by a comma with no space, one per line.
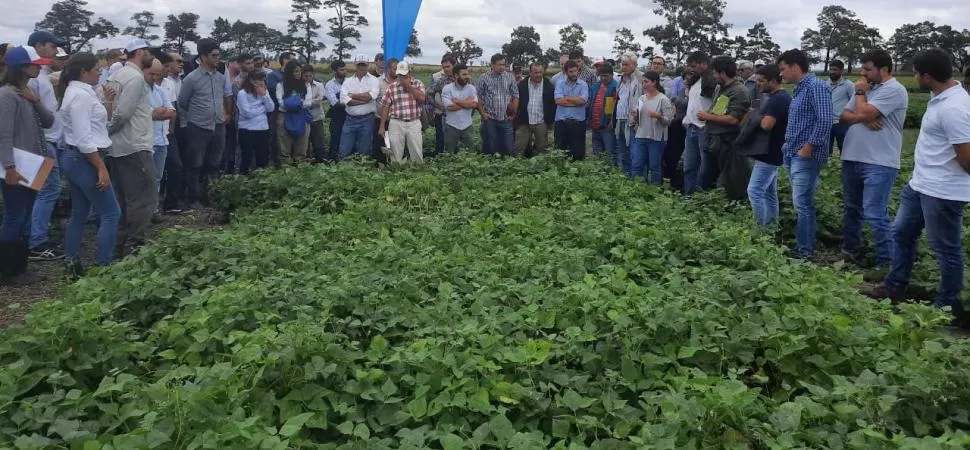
(174,187)
(204,108)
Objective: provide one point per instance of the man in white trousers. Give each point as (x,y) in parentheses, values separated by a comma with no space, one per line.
(401,115)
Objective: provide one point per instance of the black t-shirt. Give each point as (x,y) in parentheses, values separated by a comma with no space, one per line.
(775,105)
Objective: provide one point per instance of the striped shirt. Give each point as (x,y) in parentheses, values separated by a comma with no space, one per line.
(536,113)
(496,91)
(809,118)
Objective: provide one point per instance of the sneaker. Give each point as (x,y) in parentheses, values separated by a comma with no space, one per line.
(45,254)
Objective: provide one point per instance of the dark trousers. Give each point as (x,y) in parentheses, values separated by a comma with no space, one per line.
(439,134)
(174,181)
(254,146)
(133,179)
(378,148)
(574,138)
(202,159)
(337,118)
(675,149)
(557,139)
(839,131)
(229,154)
(274,147)
(317,141)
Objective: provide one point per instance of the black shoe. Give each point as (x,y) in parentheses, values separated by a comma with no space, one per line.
(45,254)
(157,219)
(24,278)
(881,292)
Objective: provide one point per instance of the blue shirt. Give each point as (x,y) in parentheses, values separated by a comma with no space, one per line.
(809,118)
(566,89)
(843,91)
(677,87)
(274,78)
(253,111)
(157,98)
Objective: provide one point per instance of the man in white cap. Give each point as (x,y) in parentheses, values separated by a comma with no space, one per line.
(359,94)
(129,159)
(401,115)
(46,46)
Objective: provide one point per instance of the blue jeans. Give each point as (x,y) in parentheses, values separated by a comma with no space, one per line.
(647,159)
(943,220)
(45,203)
(623,140)
(357,136)
(763,193)
(82,176)
(498,137)
(160,152)
(839,131)
(803,174)
(17,202)
(605,141)
(695,156)
(866,189)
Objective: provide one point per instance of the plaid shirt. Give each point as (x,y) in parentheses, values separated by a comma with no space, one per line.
(536,113)
(588,75)
(496,91)
(402,104)
(809,118)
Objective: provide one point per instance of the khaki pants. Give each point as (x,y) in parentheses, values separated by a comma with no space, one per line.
(402,133)
(528,134)
(292,149)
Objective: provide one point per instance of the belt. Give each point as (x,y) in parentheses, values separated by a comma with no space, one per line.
(360,116)
(404,120)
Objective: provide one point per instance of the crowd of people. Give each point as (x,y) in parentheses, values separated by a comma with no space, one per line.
(142,132)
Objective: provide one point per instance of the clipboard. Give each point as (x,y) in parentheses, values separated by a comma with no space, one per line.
(33,167)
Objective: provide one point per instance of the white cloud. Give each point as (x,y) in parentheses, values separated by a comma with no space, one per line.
(489,22)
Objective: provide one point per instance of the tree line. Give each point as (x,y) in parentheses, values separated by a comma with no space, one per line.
(688,26)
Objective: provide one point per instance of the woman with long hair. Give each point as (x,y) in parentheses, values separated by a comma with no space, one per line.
(22,127)
(651,118)
(84,124)
(254,103)
(293,132)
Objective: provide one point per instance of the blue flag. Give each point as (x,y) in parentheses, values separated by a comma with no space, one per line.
(399,18)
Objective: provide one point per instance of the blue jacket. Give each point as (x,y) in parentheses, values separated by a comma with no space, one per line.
(609,107)
(296,116)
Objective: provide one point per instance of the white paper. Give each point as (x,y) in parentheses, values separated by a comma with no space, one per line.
(387,141)
(28,165)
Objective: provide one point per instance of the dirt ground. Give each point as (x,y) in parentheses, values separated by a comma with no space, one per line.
(16,302)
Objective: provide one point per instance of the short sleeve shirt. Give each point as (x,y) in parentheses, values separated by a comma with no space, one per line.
(775,105)
(880,147)
(945,124)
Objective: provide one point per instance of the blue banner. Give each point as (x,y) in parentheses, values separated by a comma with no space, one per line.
(399,18)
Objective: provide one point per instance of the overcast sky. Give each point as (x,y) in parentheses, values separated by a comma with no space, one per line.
(489,22)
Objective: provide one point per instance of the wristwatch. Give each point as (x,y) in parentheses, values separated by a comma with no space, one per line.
(860,92)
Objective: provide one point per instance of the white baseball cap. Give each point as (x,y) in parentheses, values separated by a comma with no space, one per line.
(136,44)
(403,68)
(362,59)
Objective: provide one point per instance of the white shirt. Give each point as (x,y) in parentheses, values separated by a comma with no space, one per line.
(84,121)
(45,90)
(172,87)
(946,123)
(355,85)
(307,100)
(696,104)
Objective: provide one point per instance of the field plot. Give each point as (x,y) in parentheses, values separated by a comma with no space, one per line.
(476,303)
